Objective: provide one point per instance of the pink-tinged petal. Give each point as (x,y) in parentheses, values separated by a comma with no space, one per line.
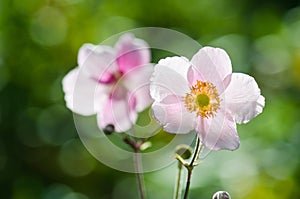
(211,65)
(193,75)
(173,116)
(242,97)
(218,132)
(137,81)
(167,80)
(119,113)
(98,62)
(83,95)
(227,80)
(131,52)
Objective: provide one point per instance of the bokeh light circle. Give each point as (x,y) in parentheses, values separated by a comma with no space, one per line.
(48,26)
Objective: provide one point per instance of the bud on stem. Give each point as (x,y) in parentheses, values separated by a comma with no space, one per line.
(221,195)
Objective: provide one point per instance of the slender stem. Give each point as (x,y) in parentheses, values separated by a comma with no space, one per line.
(139,174)
(178,182)
(190,168)
(196,152)
(188,182)
(135,145)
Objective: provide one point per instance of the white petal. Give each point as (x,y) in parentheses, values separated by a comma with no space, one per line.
(243,98)
(117,112)
(212,65)
(178,64)
(173,116)
(169,78)
(218,132)
(137,81)
(82,94)
(97,61)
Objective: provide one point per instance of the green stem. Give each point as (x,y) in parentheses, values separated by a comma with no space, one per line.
(135,145)
(177,193)
(190,168)
(196,152)
(188,182)
(139,174)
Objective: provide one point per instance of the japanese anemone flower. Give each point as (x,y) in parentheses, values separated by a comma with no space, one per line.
(204,95)
(111,82)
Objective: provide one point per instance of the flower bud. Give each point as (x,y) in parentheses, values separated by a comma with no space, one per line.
(221,195)
(109,129)
(184,151)
(145,146)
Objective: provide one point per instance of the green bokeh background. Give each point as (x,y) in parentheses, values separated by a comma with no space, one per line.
(41,156)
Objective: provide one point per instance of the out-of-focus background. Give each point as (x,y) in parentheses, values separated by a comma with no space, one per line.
(41,156)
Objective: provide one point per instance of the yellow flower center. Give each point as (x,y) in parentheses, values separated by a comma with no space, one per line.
(203,99)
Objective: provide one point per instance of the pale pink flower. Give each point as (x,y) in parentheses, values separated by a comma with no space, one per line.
(204,95)
(111,82)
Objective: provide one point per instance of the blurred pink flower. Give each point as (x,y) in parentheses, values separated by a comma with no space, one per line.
(204,95)
(111,82)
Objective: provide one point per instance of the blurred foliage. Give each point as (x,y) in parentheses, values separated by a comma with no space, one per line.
(41,156)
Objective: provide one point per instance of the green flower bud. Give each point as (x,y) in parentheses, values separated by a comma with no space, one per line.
(184,151)
(221,195)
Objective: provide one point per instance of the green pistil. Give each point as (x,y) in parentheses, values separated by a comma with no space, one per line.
(202,100)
